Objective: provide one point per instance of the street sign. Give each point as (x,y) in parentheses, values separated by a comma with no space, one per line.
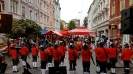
(112,26)
(5,23)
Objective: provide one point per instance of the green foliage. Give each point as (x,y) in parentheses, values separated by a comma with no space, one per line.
(24,28)
(61,26)
(71,25)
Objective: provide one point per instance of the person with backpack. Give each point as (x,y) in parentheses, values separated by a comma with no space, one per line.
(86,53)
(72,57)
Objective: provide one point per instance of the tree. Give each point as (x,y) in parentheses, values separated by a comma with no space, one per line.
(24,28)
(71,25)
(61,26)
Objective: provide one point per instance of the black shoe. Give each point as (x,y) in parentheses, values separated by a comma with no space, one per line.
(14,71)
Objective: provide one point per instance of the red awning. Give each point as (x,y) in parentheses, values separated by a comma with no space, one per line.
(53,33)
(81,30)
(64,32)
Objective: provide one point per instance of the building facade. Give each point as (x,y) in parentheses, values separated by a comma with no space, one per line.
(116,6)
(65,24)
(98,16)
(40,11)
(77,22)
(57,16)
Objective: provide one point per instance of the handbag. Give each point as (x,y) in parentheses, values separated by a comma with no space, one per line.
(108,62)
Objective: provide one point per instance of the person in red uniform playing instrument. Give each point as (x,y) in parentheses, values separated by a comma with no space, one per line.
(63,49)
(14,55)
(34,50)
(50,54)
(86,58)
(126,56)
(43,58)
(24,52)
(102,57)
(72,57)
(112,52)
(56,55)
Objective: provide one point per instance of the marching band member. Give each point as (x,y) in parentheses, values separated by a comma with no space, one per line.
(34,51)
(43,58)
(72,57)
(24,52)
(126,56)
(63,49)
(50,54)
(112,52)
(56,55)
(14,55)
(86,58)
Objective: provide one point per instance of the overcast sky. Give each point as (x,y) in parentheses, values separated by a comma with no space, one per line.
(74,9)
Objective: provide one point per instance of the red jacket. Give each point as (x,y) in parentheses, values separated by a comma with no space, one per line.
(86,54)
(126,54)
(34,51)
(72,54)
(14,54)
(43,55)
(50,50)
(62,49)
(57,54)
(101,55)
(24,50)
(112,52)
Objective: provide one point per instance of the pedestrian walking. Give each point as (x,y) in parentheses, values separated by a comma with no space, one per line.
(34,51)
(112,52)
(86,58)
(102,58)
(24,52)
(14,55)
(72,57)
(125,57)
(43,58)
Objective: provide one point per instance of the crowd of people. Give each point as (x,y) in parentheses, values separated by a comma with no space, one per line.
(54,52)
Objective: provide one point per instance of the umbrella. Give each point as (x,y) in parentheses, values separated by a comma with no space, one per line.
(64,32)
(81,30)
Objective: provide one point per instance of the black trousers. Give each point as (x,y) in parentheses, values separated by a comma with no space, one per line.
(56,63)
(102,66)
(15,61)
(97,62)
(126,65)
(86,66)
(43,64)
(62,59)
(72,64)
(24,57)
(113,62)
(34,58)
(50,57)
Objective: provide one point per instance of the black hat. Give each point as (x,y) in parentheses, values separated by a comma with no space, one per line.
(126,45)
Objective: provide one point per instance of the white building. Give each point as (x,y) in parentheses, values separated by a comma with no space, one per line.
(98,16)
(57,16)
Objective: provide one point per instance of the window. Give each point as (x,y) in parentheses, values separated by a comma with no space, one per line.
(122,4)
(23,11)
(13,6)
(40,5)
(31,14)
(36,18)
(2,6)
(113,8)
(131,2)
(36,3)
